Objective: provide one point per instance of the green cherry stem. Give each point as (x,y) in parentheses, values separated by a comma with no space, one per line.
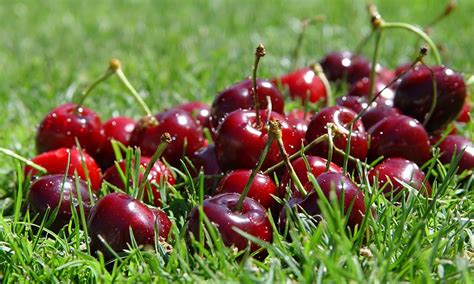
(259,53)
(305,23)
(14,155)
(375,59)
(109,72)
(318,70)
(255,170)
(275,132)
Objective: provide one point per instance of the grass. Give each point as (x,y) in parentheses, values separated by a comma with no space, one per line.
(178,52)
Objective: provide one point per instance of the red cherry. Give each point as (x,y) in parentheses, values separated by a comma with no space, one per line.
(205,159)
(303,84)
(240,142)
(396,171)
(335,65)
(198,110)
(117,128)
(115,215)
(414,95)
(262,188)
(240,96)
(64,124)
(454,144)
(55,162)
(159,173)
(376,114)
(220,210)
(359,68)
(186,135)
(341,117)
(57,190)
(317,166)
(357,104)
(361,88)
(399,136)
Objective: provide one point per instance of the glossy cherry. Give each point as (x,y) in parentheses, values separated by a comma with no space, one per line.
(399,136)
(57,190)
(454,144)
(376,114)
(299,121)
(361,88)
(317,166)
(262,188)
(240,96)
(205,159)
(239,142)
(221,211)
(198,110)
(303,84)
(341,118)
(185,133)
(115,215)
(56,162)
(392,172)
(64,124)
(159,173)
(358,69)
(357,104)
(345,65)
(119,129)
(414,95)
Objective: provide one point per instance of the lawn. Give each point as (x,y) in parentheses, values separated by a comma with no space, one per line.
(190,50)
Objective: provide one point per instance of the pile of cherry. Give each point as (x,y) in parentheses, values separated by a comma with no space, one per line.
(252,146)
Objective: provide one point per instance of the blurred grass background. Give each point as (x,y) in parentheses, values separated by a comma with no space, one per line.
(175,51)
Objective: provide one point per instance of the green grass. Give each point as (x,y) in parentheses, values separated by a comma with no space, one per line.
(178,52)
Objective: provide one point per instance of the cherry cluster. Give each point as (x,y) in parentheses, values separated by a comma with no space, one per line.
(269,161)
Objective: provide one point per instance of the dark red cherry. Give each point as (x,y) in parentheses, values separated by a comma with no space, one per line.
(399,136)
(303,84)
(453,145)
(465,114)
(317,166)
(221,211)
(359,68)
(393,172)
(240,96)
(262,188)
(361,88)
(64,124)
(185,133)
(386,75)
(376,114)
(119,129)
(115,215)
(239,141)
(401,69)
(198,110)
(341,117)
(205,159)
(56,162)
(159,174)
(354,206)
(335,65)
(414,95)
(58,190)
(357,104)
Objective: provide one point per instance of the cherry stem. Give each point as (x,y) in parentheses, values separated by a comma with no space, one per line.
(310,145)
(342,152)
(92,86)
(259,53)
(165,140)
(305,23)
(375,59)
(318,70)
(255,170)
(275,132)
(448,9)
(14,155)
(116,66)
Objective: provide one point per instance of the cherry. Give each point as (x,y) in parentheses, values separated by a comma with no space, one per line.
(361,88)
(453,145)
(356,104)
(387,75)
(67,122)
(399,136)
(335,65)
(112,218)
(354,206)
(240,141)
(299,114)
(58,190)
(221,211)
(376,114)
(464,115)
(56,162)
(341,118)
(159,173)
(240,96)
(396,171)
(262,188)
(317,166)
(359,68)
(186,135)
(198,110)
(299,121)
(117,128)
(303,84)
(205,159)
(414,95)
